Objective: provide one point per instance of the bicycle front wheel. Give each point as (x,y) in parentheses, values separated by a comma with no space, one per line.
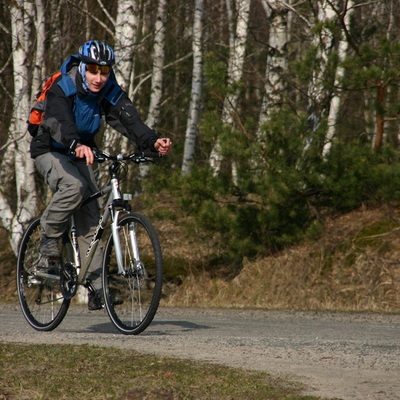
(40,295)
(132,293)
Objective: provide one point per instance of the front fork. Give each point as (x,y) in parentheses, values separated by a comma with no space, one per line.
(131,249)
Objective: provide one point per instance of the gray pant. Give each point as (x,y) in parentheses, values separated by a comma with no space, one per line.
(71,181)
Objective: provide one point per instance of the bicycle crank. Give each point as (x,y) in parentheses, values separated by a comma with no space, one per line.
(68,281)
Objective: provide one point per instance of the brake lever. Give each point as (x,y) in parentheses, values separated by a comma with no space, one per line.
(98,156)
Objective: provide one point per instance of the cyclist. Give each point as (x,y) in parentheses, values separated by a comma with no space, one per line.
(70,125)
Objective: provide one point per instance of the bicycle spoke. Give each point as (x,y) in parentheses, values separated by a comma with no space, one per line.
(40,298)
(132,297)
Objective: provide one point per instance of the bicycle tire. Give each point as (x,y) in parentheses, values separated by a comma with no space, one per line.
(41,301)
(132,298)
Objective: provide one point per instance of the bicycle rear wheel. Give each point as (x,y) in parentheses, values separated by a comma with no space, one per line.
(40,297)
(132,296)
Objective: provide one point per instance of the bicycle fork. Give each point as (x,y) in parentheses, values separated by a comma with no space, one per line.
(131,248)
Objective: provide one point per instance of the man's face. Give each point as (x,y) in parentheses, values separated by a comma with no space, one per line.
(97,76)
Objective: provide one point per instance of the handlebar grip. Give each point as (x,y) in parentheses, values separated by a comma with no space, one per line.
(151,154)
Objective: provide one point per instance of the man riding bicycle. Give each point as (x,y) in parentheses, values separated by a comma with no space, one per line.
(70,125)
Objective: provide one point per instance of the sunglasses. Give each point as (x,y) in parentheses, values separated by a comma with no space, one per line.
(94,69)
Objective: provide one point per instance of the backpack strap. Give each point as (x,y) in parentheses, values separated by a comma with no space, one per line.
(67,85)
(69,63)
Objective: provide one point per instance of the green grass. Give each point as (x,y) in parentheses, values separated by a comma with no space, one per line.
(39,372)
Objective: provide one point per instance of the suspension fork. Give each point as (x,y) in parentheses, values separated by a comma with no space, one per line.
(133,250)
(117,242)
(134,242)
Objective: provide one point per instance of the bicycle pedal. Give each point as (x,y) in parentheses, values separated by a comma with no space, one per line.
(33,280)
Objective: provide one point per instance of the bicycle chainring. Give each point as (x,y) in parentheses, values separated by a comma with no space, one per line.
(68,281)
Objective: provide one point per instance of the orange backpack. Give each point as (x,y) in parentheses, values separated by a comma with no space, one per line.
(36,115)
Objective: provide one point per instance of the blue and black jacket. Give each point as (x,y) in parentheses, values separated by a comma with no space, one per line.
(73,115)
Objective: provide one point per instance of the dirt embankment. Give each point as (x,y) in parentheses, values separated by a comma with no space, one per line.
(353,265)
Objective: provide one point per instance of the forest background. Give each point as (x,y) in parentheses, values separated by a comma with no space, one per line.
(284,117)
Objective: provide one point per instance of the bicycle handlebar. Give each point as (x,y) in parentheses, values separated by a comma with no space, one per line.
(137,158)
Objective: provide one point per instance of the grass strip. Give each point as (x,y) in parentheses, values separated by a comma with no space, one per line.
(40,372)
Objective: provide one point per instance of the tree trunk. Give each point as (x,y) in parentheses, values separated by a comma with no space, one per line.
(17,169)
(238,39)
(157,74)
(276,64)
(125,38)
(39,68)
(382,85)
(336,98)
(318,98)
(158,65)
(380,101)
(194,107)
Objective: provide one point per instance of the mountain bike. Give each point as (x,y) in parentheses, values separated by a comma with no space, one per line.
(132,264)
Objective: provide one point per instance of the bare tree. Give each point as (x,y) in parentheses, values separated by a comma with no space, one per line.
(323,42)
(39,67)
(195,98)
(237,49)
(276,66)
(339,73)
(125,38)
(17,168)
(157,73)
(158,66)
(385,11)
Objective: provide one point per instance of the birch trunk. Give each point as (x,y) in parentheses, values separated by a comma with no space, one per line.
(125,38)
(195,99)
(336,98)
(39,68)
(158,65)
(318,99)
(277,60)
(57,37)
(17,169)
(157,73)
(238,39)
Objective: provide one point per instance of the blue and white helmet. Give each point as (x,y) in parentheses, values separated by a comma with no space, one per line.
(97,52)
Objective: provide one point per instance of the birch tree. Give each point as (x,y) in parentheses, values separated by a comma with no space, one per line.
(17,169)
(57,38)
(339,74)
(276,65)
(157,73)
(39,68)
(323,42)
(237,49)
(195,98)
(125,38)
(158,66)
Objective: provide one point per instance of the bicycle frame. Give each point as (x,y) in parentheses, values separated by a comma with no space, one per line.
(114,201)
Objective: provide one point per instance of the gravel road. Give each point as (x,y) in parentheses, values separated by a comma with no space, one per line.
(345,356)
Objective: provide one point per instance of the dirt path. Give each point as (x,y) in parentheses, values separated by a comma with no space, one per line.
(346,356)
